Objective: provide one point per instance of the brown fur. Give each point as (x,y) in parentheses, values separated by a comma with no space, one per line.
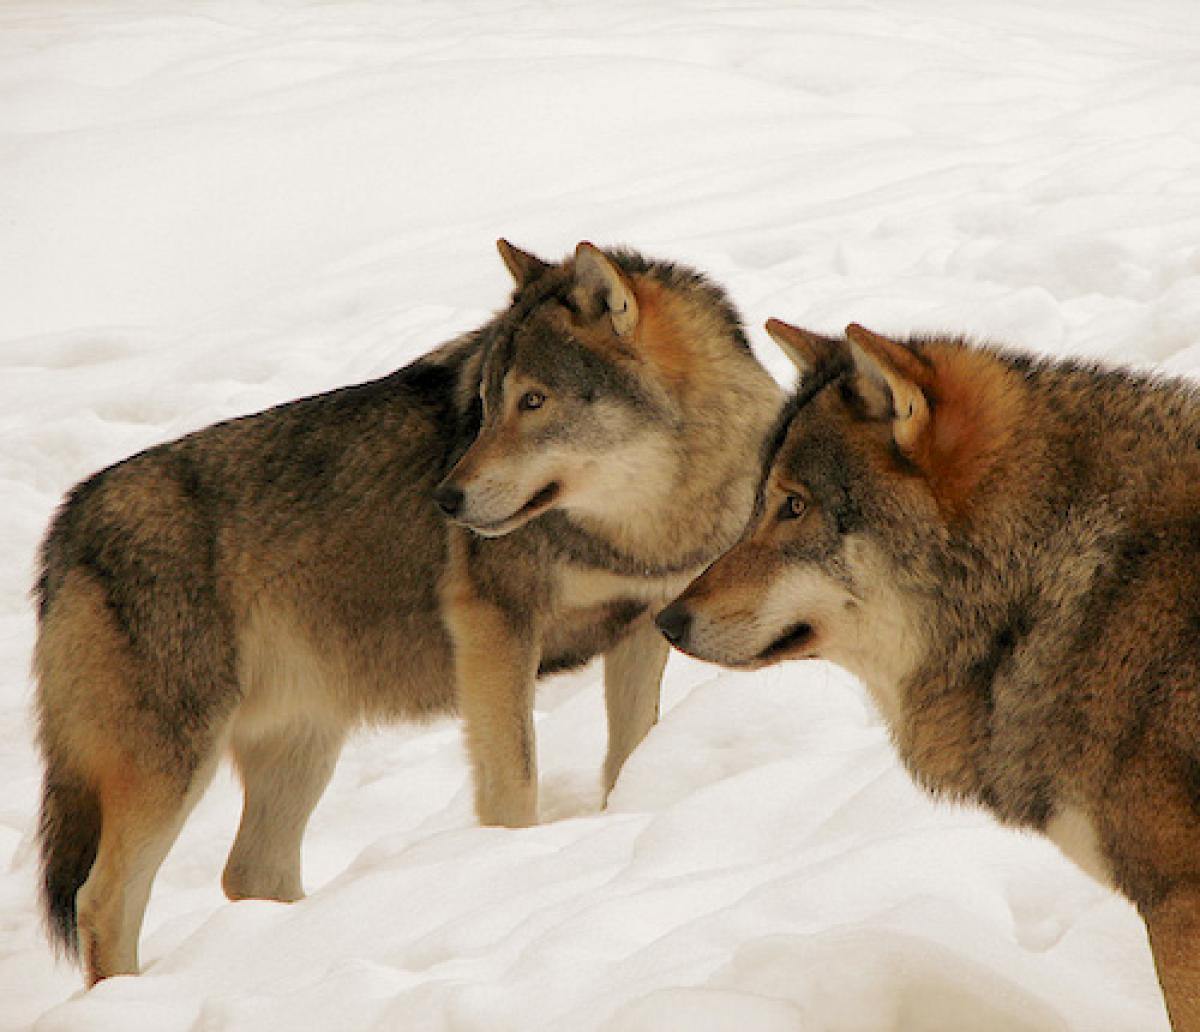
(1011,564)
(978,412)
(267,584)
(667,325)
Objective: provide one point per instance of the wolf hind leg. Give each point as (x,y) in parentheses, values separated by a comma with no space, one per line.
(1174,928)
(284,774)
(131,738)
(141,813)
(632,674)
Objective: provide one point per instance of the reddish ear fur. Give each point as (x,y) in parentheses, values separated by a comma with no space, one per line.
(974,422)
(977,419)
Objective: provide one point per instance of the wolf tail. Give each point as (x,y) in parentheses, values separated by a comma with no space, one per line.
(68,836)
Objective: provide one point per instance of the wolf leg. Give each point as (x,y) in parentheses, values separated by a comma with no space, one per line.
(141,814)
(495,670)
(496,657)
(1174,927)
(495,667)
(632,674)
(130,747)
(284,775)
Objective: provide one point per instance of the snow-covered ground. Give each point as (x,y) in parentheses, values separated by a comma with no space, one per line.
(210,207)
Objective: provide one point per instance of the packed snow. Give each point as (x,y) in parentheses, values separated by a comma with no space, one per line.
(210,207)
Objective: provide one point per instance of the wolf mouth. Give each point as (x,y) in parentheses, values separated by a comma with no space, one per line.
(795,635)
(541,500)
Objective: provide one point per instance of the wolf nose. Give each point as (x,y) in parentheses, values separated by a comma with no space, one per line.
(674,622)
(449,499)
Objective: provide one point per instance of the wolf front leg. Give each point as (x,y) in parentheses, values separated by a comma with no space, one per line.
(632,675)
(1174,927)
(495,665)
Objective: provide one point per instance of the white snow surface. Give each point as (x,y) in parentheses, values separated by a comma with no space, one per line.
(210,207)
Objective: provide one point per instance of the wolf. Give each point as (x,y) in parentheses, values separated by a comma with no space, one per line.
(514,503)
(1006,552)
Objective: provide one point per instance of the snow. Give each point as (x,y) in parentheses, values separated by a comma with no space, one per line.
(213,206)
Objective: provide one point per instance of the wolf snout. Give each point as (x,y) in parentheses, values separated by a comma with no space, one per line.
(449,499)
(674,622)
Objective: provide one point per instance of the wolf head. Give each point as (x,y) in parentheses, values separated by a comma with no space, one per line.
(583,384)
(879,456)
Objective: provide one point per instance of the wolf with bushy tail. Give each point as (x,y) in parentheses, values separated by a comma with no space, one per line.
(516,502)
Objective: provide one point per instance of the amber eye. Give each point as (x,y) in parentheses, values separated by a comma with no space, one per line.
(792,508)
(531,400)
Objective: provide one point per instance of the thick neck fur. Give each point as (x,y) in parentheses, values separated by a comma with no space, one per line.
(1061,471)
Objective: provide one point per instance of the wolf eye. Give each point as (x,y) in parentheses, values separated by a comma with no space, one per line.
(792,508)
(531,400)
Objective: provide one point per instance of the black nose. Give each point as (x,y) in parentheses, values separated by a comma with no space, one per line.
(449,499)
(674,622)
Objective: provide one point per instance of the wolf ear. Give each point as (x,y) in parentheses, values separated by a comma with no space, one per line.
(523,266)
(895,374)
(808,351)
(605,288)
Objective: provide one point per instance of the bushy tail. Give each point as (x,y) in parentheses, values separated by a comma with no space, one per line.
(68,834)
